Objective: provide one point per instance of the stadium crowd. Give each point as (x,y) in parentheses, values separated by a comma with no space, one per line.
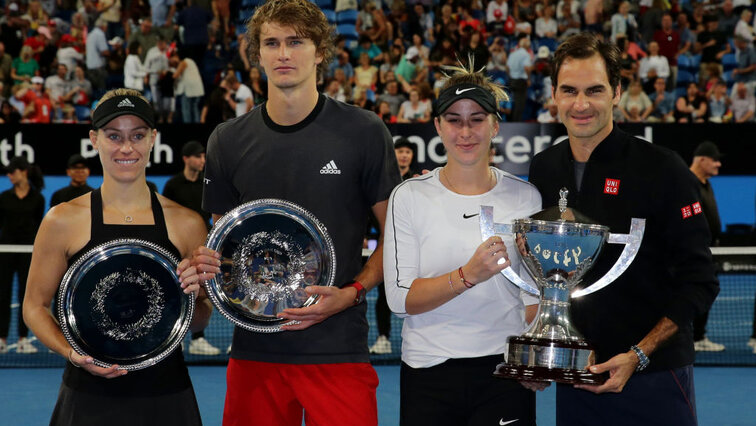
(682,60)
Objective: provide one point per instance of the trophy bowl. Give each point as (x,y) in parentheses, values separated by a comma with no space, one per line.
(122,303)
(558,246)
(556,254)
(271,250)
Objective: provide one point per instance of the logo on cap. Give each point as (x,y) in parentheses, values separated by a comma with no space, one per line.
(461,91)
(125,103)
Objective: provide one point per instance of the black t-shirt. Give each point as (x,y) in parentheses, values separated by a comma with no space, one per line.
(709,54)
(20,217)
(337,163)
(68,193)
(187,193)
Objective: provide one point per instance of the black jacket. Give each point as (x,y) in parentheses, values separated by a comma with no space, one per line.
(672,276)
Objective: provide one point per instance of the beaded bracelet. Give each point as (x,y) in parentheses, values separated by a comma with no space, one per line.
(451,285)
(467,284)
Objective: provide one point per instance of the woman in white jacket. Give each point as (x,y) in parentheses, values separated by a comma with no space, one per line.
(133,70)
(458,309)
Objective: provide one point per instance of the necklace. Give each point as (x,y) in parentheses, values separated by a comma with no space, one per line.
(491,177)
(127,218)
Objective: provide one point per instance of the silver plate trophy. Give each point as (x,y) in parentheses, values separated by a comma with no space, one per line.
(122,303)
(271,250)
(557,252)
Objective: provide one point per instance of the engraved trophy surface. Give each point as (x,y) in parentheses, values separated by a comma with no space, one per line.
(558,246)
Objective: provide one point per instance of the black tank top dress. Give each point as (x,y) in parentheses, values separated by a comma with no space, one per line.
(157,395)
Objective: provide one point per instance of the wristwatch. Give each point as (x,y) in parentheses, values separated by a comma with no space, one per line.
(360,297)
(643,360)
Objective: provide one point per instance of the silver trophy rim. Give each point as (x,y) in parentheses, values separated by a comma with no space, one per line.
(560,223)
(101,252)
(226,223)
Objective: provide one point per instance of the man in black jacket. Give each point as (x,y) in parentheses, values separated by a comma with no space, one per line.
(78,170)
(640,325)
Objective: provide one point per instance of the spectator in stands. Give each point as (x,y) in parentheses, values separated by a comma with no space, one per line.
(392,96)
(568,21)
(650,19)
(366,75)
(12,29)
(188,85)
(36,41)
(635,104)
(360,99)
(628,64)
(366,45)
(134,72)
(383,109)
(21,210)
(727,19)
(6,65)
(116,63)
(652,66)
(146,36)
(418,41)
(705,165)
(410,69)
(68,55)
(524,11)
(421,24)
(78,170)
(713,45)
(157,67)
(110,11)
(745,71)
(81,93)
(97,55)
(258,86)
(335,91)
(691,107)
(664,103)
(162,12)
(24,67)
(623,22)
(497,12)
(37,105)
(342,62)
(239,97)
(520,66)
(549,113)
(79,31)
(35,15)
(668,40)
(744,29)
(546,25)
(413,110)
(743,104)
(497,66)
(476,49)
(58,87)
(195,20)
(8,114)
(719,103)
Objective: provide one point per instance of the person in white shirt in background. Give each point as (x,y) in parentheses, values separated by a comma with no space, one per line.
(133,70)
(239,96)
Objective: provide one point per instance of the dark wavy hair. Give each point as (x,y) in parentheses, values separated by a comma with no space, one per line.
(583,46)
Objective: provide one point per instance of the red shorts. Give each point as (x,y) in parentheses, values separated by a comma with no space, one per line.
(269,394)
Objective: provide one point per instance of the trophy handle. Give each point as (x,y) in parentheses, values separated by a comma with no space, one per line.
(488,228)
(632,242)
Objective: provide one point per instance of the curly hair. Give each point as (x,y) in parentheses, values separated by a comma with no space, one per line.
(304,16)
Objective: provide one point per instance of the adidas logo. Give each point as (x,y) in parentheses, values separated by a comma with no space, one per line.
(330,169)
(126,102)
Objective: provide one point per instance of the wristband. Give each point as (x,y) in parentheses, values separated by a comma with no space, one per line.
(360,297)
(466,283)
(451,285)
(643,360)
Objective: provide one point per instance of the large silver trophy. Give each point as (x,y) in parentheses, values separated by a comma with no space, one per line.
(558,247)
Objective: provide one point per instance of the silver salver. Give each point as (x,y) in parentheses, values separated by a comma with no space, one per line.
(122,303)
(271,250)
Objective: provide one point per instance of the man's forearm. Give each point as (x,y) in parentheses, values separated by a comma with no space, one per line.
(372,273)
(663,330)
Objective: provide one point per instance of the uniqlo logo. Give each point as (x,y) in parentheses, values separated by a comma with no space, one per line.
(611,186)
(687,212)
(697,208)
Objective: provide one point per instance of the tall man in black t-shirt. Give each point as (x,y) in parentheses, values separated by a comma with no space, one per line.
(640,325)
(185,188)
(706,163)
(336,161)
(78,171)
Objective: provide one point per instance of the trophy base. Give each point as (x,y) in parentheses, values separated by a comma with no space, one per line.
(545,360)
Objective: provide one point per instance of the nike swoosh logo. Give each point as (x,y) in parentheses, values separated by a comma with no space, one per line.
(502,422)
(469,216)
(459,92)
